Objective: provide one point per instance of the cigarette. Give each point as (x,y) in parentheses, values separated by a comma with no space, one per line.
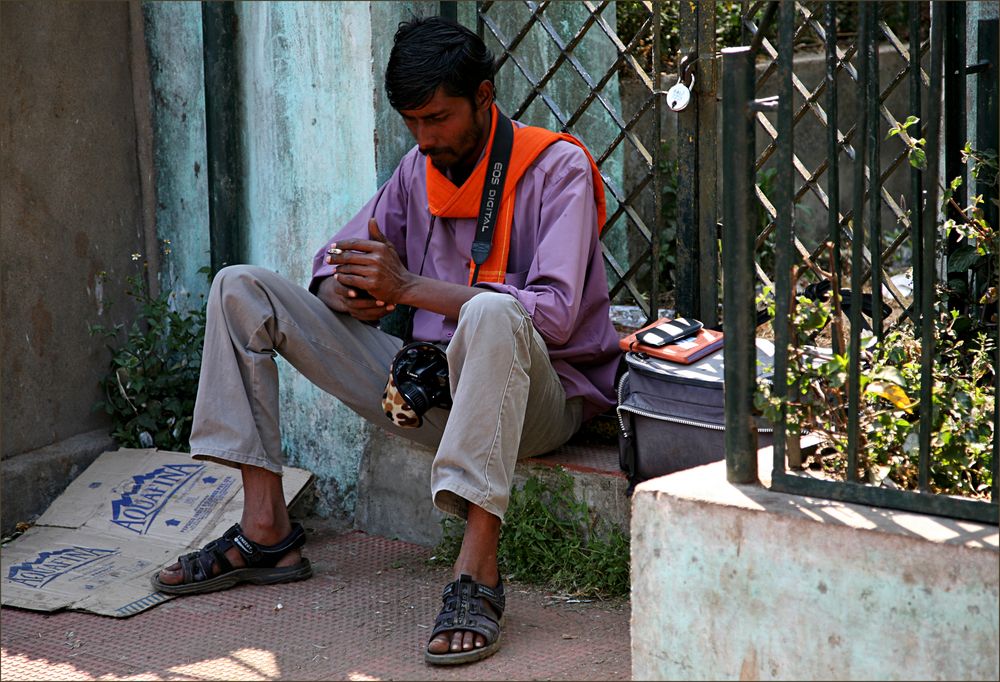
(335,252)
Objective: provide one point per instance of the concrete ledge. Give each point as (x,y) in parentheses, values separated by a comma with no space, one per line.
(33,479)
(741,582)
(394,497)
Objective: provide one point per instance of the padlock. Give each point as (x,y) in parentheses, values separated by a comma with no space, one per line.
(678,97)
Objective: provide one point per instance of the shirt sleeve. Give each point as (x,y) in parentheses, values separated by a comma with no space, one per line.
(388,207)
(566,237)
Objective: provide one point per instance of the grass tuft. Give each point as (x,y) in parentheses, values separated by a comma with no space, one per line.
(550,538)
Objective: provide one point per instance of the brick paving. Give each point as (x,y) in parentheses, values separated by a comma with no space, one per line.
(365,615)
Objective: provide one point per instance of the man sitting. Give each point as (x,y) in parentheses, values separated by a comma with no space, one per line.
(530,350)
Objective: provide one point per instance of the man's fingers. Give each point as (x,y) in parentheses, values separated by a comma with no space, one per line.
(374,233)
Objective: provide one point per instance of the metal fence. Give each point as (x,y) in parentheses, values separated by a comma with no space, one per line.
(870,213)
(562,65)
(857,227)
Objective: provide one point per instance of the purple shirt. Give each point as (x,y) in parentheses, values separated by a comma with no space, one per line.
(555,268)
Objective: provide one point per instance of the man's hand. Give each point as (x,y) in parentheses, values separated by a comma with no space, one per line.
(349,289)
(370,265)
(344,299)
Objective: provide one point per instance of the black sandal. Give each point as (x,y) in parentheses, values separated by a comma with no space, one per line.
(472,607)
(260,569)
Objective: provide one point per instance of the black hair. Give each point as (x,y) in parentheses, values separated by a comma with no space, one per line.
(431,52)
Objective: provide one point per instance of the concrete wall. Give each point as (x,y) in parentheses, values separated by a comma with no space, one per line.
(737,582)
(70,218)
(315,143)
(174,43)
(307,111)
(317,139)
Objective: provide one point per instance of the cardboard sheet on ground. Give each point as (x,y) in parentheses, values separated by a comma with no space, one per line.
(129,514)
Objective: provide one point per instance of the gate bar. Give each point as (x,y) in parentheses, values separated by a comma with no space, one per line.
(783,251)
(857,251)
(833,171)
(687,283)
(933,147)
(916,181)
(708,151)
(739,221)
(987,136)
(954,129)
(872,101)
(658,222)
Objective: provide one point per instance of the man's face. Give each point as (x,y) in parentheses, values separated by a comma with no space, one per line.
(450,130)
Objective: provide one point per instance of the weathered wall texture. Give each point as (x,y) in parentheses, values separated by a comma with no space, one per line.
(317,139)
(69,210)
(738,582)
(310,82)
(177,75)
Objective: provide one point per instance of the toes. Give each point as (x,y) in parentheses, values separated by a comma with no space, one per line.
(469,641)
(456,641)
(440,644)
(171,575)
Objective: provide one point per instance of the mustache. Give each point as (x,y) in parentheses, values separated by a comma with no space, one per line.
(437,151)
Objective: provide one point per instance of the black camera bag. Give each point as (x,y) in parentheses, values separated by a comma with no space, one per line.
(672,417)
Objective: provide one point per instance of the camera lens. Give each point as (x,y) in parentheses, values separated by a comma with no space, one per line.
(420,371)
(416,396)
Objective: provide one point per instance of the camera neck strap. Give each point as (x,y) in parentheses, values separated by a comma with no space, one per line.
(489,206)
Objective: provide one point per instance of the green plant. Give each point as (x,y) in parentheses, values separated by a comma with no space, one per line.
(978,242)
(550,538)
(153,377)
(963,397)
(632,18)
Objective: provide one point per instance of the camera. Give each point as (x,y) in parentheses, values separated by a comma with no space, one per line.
(417,382)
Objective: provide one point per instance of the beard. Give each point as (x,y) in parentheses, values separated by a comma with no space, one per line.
(464,154)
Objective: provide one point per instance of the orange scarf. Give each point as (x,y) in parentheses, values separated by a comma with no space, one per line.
(447,201)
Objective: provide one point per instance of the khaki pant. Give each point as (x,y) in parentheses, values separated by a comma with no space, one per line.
(508,401)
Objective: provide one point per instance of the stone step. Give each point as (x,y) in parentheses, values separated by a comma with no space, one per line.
(394,486)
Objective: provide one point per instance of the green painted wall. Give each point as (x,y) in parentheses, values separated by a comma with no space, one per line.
(174,43)
(308,116)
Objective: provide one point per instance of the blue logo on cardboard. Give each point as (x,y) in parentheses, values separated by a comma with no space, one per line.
(50,565)
(137,508)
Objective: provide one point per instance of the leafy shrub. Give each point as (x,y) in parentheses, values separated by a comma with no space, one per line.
(963,397)
(153,376)
(549,538)
(632,15)
(963,368)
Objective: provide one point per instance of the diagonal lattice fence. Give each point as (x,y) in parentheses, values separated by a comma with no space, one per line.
(565,66)
(824,211)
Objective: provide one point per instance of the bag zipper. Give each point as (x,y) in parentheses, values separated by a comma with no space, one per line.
(663,418)
(621,397)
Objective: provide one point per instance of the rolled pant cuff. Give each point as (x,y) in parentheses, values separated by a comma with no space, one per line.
(235,459)
(455,500)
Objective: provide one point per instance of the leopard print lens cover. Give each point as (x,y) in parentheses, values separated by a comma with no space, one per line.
(397,409)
